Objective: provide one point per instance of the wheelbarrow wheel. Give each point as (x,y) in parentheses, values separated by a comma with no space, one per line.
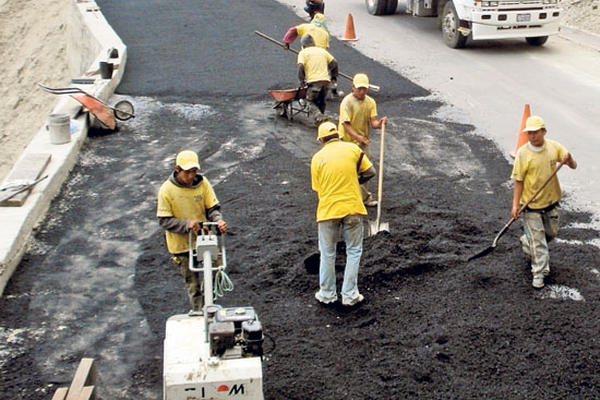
(123,110)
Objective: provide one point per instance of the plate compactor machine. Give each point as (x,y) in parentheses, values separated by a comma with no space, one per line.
(216,353)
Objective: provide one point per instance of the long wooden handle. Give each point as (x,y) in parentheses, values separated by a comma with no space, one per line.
(380,177)
(375,88)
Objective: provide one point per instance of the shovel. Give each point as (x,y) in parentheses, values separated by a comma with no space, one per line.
(378,226)
(488,250)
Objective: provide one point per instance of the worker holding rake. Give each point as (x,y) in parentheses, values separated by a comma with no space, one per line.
(535,162)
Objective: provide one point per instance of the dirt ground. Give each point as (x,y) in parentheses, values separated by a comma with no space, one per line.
(96,281)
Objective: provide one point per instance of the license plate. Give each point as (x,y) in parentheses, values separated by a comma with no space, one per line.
(523,17)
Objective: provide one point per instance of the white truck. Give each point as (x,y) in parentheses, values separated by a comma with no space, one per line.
(533,20)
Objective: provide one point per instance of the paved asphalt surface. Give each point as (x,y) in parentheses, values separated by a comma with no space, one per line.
(96,281)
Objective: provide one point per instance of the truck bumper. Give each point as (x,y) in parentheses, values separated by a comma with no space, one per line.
(510,24)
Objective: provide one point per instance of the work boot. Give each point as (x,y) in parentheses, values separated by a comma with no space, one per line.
(538,281)
(323,300)
(350,303)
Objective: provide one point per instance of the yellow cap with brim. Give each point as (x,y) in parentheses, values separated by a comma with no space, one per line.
(327,128)
(360,80)
(187,159)
(534,123)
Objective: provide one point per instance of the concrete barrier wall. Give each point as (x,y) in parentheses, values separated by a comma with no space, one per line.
(91,40)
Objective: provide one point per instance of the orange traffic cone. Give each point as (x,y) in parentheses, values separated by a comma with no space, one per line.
(349,34)
(522,136)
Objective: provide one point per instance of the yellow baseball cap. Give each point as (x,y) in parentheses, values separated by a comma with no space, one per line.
(187,159)
(534,123)
(327,128)
(360,80)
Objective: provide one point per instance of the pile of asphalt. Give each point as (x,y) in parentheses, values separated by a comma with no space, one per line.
(97,281)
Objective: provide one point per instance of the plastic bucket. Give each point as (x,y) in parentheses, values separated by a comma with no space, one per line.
(106,70)
(60,128)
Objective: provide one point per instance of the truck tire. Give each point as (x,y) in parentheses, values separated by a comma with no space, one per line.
(380,7)
(392,5)
(450,24)
(536,40)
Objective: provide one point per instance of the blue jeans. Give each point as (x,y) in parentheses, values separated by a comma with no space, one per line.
(352,230)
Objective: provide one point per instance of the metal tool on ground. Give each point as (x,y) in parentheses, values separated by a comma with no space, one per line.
(216,353)
(378,226)
(8,192)
(491,248)
(372,87)
(122,110)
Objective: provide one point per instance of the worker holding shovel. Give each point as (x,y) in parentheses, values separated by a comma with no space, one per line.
(358,113)
(336,171)
(535,163)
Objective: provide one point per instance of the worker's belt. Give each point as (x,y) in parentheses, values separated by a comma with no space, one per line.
(542,210)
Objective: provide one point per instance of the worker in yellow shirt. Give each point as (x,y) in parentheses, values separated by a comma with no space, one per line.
(534,163)
(185,200)
(358,113)
(316,28)
(317,69)
(336,171)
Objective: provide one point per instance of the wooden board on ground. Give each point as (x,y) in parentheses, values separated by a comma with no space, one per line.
(84,376)
(28,168)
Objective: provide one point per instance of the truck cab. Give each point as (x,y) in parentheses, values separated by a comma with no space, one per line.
(533,20)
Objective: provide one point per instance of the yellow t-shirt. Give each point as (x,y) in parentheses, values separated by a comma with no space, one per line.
(358,113)
(533,168)
(334,178)
(319,35)
(184,203)
(315,61)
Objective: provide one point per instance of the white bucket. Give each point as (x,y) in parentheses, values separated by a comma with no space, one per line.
(59,128)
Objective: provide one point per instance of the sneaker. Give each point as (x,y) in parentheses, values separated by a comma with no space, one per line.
(323,300)
(538,282)
(371,203)
(354,302)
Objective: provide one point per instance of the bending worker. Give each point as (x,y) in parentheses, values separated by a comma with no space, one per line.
(358,112)
(336,171)
(185,200)
(534,163)
(316,28)
(317,69)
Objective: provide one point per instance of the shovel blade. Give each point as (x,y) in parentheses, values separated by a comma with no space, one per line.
(482,253)
(374,228)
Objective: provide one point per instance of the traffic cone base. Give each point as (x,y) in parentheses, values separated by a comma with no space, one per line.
(522,136)
(349,35)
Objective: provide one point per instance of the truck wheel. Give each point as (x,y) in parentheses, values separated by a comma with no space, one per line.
(377,7)
(536,40)
(392,5)
(450,24)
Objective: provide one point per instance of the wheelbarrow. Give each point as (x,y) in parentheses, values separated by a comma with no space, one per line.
(123,110)
(290,102)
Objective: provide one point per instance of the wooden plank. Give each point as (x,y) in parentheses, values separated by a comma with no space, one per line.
(60,394)
(84,376)
(87,393)
(28,168)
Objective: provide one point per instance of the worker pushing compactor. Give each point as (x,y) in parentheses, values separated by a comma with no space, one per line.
(185,200)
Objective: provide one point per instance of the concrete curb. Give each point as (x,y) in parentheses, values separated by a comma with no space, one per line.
(90,40)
